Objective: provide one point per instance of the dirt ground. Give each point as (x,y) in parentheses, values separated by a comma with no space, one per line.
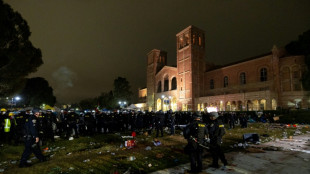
(277,157)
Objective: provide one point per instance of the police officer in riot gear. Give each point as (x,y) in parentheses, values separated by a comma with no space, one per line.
(160,122)
(216,132)
(72,119)
(196,133)
(50,119)
(31,140)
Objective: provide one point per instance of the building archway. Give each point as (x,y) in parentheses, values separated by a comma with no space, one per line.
(262,104)
(158,104)
(274,104)
(228,106)
(255,105)
(249,105)
(222,108)
(239,106)
(166,104)
(174,104)
(233,106)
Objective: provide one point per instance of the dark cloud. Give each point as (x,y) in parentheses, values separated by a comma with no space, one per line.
(100,40)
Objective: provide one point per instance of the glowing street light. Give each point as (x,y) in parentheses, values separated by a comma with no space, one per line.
(17,98)
(122,104)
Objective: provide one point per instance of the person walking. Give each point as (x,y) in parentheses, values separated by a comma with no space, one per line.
(31,140)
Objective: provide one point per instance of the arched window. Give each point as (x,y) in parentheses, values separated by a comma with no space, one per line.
(166,84)
(225,81)
(263,74)
(242,78)
(211,84)
(174,83)
(159,86)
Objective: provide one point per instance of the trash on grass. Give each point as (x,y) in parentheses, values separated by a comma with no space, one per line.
(87,160)
(148,148)
(131,158)
(156,142)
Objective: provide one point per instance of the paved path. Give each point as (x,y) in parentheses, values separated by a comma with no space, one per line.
(294,157)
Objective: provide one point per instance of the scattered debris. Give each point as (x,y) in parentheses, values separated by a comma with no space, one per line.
(148,148)
(13,162)
(71,168)
(160,155)
(131,158)
(130,144)
(156,142)
(149,165)
(71,138)
(69,153)
(87,160)
(1,170)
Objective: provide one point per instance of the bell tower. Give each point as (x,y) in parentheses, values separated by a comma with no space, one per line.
(156,60)
(191,65)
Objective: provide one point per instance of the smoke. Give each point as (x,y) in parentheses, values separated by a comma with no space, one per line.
(64,77)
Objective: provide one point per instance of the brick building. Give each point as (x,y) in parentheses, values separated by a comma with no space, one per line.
(260,83)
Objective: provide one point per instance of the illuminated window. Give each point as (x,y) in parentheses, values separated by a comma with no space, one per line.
(199,40)
(186,39)
(263,74)
(211,84)
(194,39)
(181,43)
(242,78)
(225,81)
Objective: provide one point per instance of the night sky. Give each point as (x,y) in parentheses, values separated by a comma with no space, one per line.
(86,44)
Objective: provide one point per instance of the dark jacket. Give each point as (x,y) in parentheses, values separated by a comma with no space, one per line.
(197,131)
(31,127)
(216,131)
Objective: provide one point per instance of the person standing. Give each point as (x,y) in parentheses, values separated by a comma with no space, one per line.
(196,132)
(31,140)
(160,122)
(72,119)
(216,132)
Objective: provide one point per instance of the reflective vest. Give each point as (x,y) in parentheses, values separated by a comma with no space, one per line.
(7,125)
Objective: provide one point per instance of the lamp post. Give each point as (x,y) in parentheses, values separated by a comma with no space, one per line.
(17,98)
(122,104)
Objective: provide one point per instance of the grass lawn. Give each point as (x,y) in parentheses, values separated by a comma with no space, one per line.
(105,153)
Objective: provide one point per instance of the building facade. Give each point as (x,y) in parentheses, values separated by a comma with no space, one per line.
(264,82)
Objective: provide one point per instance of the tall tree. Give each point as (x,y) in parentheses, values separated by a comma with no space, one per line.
(18,57)
(302,47)
(37,92)
(106,100)
(122,91)
(88,103)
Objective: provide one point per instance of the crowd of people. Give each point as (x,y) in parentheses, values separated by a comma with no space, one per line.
(37,127)
(70,123)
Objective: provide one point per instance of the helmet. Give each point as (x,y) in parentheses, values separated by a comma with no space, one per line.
(11,114)
(214,114)
(35,110)
(197,115)
(3,110)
